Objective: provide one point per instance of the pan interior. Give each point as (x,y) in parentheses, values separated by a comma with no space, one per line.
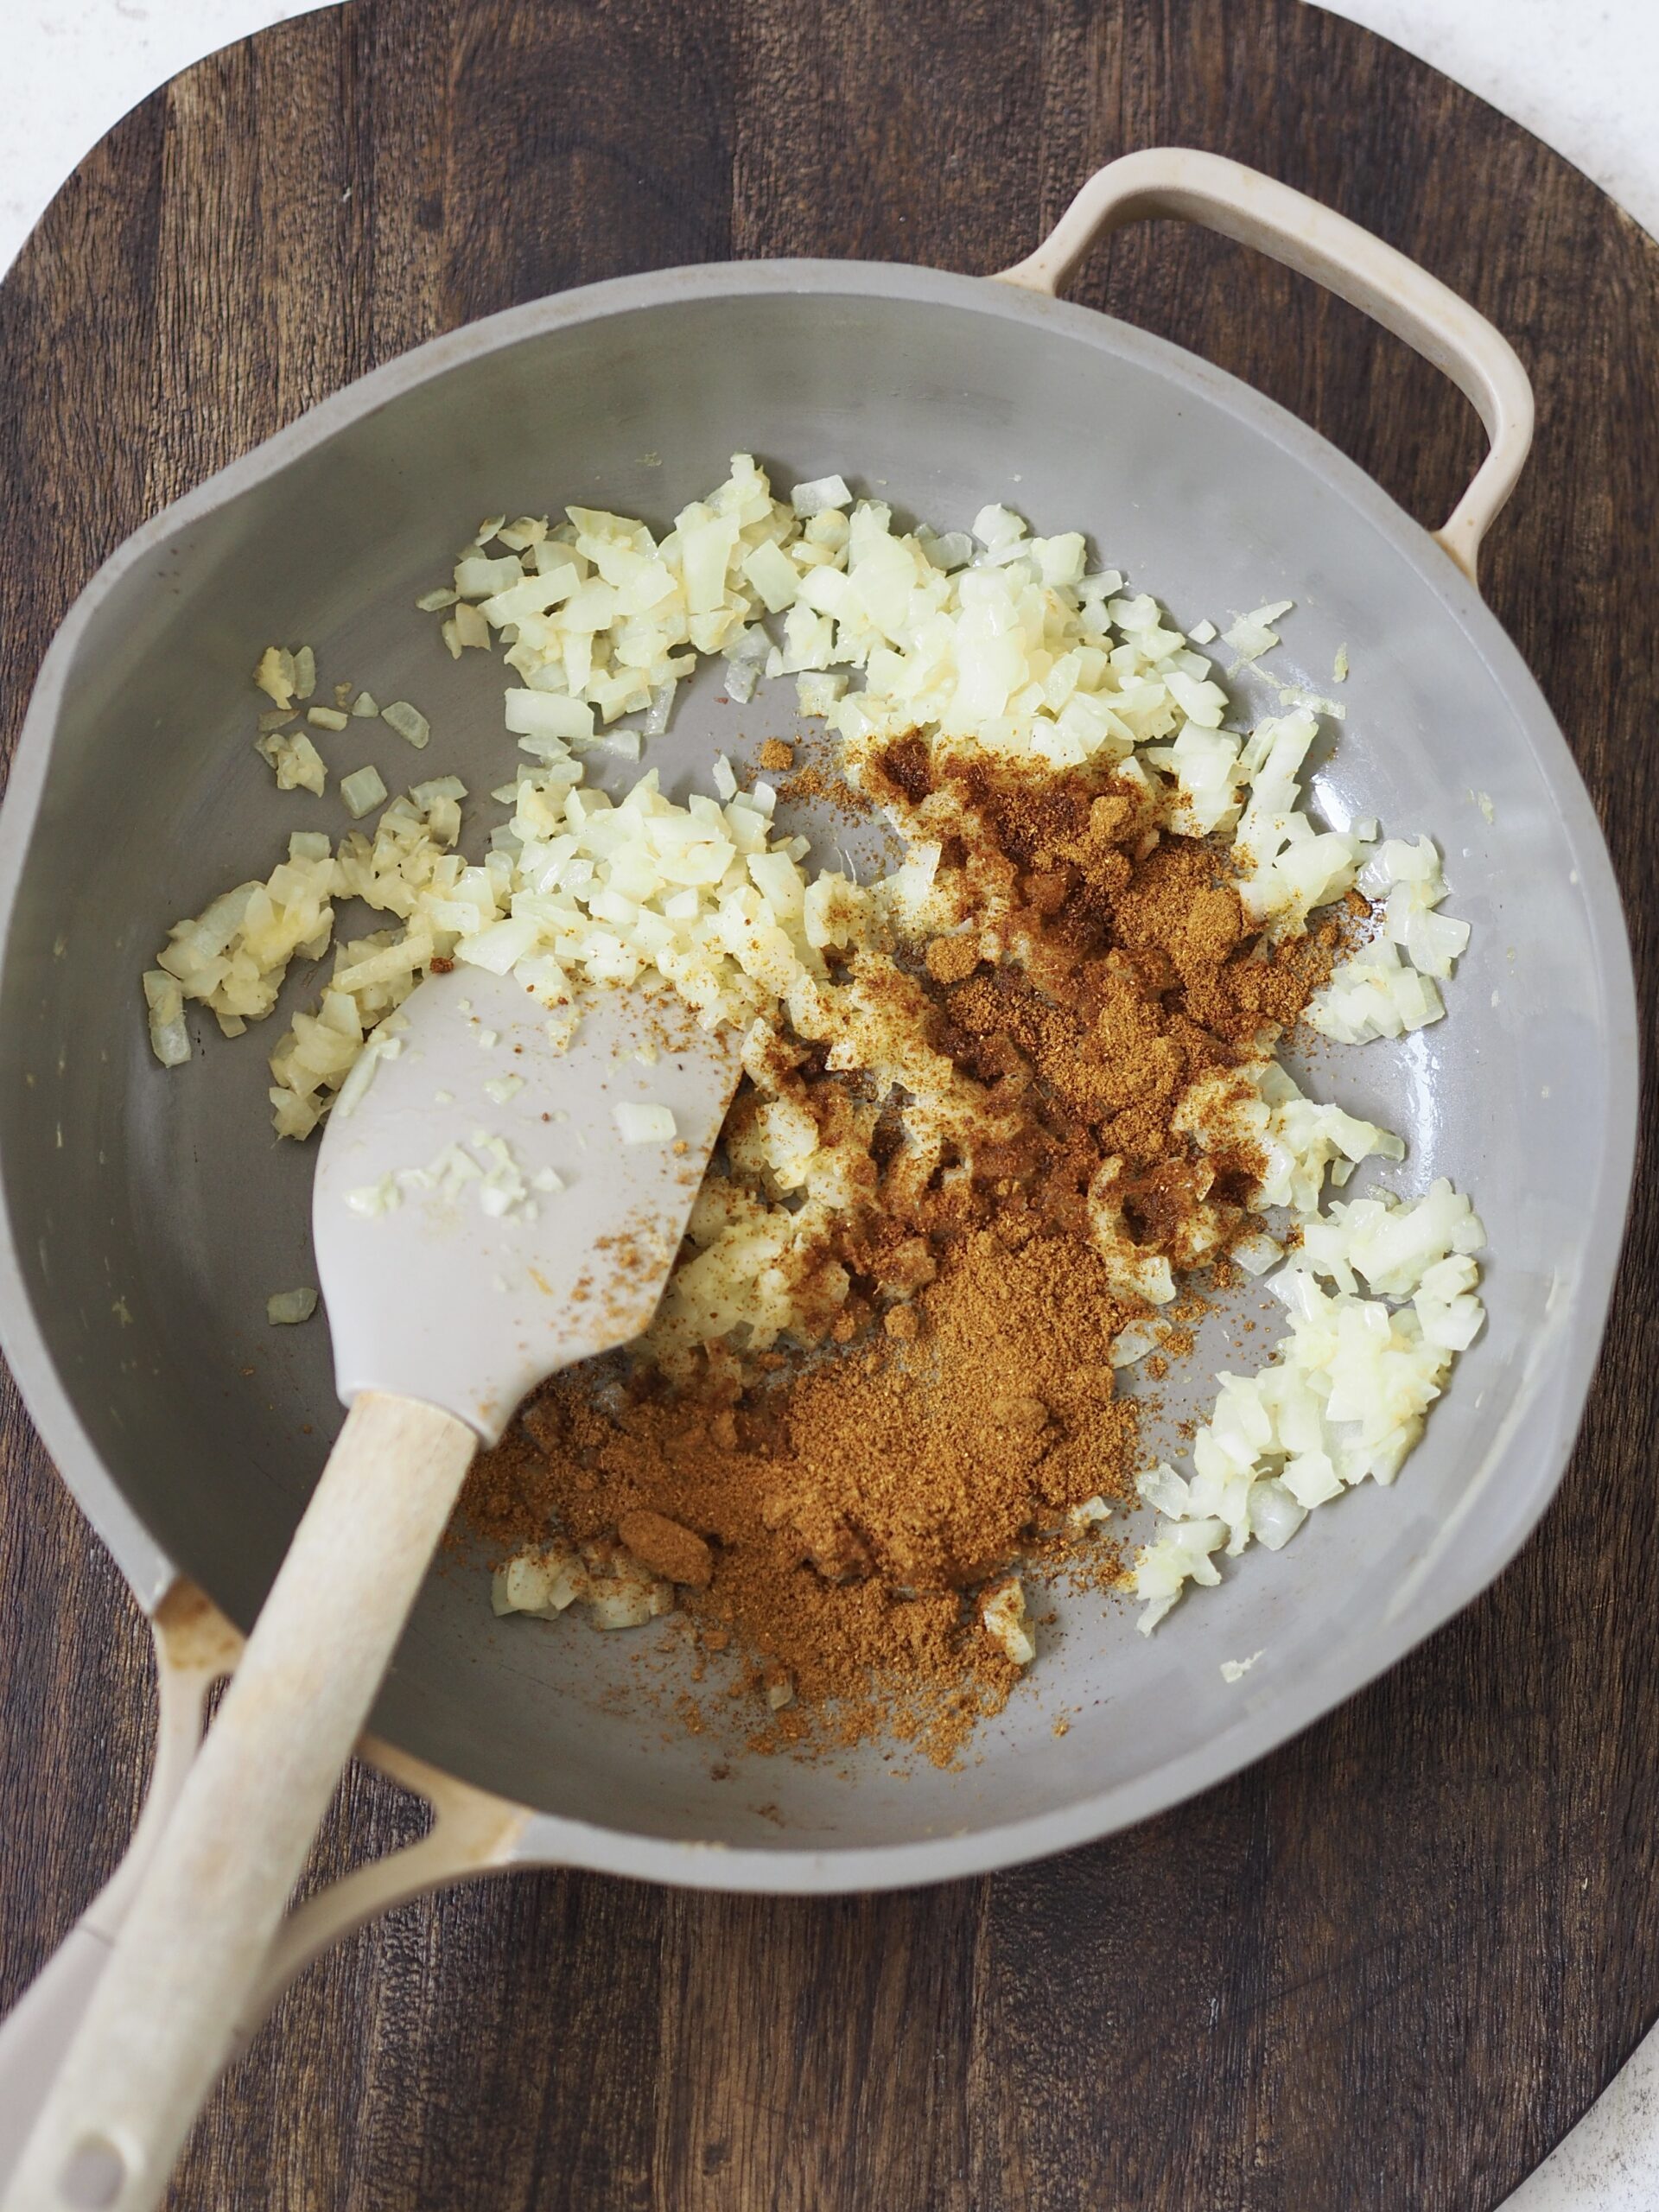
(154,1212)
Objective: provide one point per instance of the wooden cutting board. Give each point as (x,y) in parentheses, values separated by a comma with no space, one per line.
(1385,1970)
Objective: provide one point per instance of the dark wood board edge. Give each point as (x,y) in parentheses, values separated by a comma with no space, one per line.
(1391,1965)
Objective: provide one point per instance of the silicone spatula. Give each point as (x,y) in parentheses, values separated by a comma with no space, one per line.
(491,1205)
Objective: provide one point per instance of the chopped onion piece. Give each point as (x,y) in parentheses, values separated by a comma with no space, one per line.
(629,1601)
(541,713)
(362,791)
(819,694)
(543,1582)
(284,1308)
(408,722)
(169,1038)
(644,1124)
(478,576)
(371,1200)
(297,761)
(1251,635)
(773,575)
(1002,1611)
(822,492)
(275,676)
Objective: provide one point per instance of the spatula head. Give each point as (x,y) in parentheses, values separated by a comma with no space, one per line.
(483,1212)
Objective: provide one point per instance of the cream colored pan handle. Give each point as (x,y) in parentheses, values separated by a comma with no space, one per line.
(193,1948)
(472,1833)
(194,1646)
(1242,204)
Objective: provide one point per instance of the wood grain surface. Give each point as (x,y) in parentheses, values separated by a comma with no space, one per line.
(1386,1969)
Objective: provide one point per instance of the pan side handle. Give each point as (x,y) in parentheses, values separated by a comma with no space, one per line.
(1258,211)
(472,1833)
(195,1647)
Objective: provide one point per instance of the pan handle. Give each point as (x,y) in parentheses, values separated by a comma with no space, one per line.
(196,1645)
(1258,211)
(158,2025)
(472,1833)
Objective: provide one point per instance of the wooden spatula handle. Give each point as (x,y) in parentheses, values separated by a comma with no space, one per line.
(199,1928)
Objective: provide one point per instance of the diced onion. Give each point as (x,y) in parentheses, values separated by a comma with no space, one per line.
(1002,1611)
(1344,1395)
(362,791)
(644,1124)
(296,762)
(169,1038)
(275,676)
(540,713)
(408,722)
(822,492)
(1251,635)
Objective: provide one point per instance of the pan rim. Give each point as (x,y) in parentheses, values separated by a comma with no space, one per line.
(1557,1404)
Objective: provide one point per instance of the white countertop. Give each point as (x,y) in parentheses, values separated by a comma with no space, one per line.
(1578,73)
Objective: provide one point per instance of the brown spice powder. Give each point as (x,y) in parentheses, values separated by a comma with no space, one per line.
(813,783)
(847,1503)
(834,1512)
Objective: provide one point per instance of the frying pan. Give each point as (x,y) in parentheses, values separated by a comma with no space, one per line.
(148,1215)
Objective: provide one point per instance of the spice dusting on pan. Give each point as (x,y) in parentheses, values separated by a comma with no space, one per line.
(846,1510)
